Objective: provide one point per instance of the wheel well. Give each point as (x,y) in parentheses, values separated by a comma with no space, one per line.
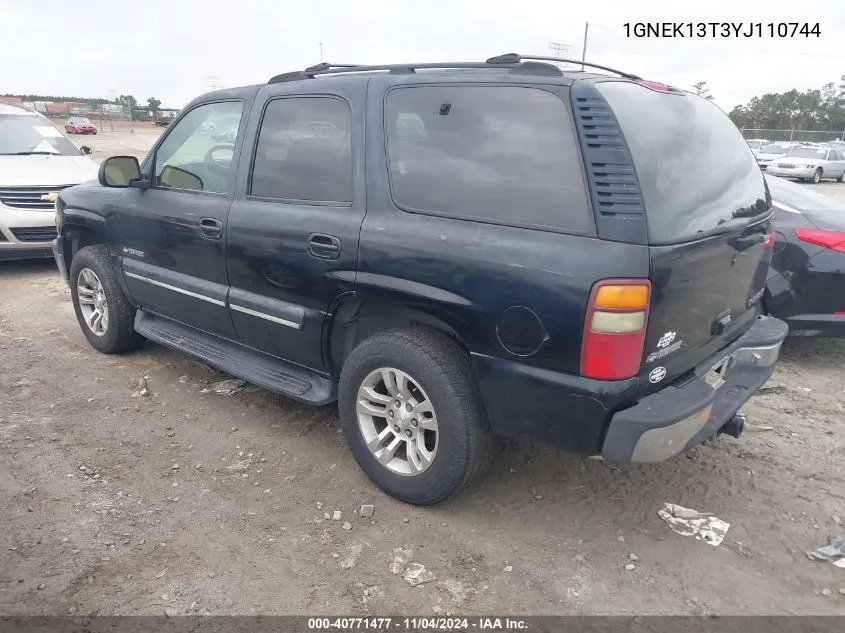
(357,319)
(77,238)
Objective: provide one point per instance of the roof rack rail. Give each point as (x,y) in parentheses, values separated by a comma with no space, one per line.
(332,69)
(515,58)
(514,61)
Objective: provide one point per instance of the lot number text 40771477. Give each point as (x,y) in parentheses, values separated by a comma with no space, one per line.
(721,29)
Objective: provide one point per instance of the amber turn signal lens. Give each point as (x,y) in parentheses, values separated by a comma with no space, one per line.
(624,296)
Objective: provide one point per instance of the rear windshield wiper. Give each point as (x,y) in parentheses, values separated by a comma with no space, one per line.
(30,153)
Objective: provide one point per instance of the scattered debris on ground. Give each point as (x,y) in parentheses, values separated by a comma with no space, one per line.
(686,522)
(225,387)
(142,387)
(832,553)
(417,574)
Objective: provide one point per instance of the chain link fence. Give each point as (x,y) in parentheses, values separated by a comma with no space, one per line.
(109,118)
(813,136)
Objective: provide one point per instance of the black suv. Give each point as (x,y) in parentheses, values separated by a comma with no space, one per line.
(450,251)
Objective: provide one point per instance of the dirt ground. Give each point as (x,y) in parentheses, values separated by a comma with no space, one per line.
(181,501)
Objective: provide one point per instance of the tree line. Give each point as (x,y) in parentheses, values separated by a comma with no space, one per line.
(124,100)
(819,109)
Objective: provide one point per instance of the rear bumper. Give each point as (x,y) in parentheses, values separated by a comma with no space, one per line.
(688,413)
(820,325)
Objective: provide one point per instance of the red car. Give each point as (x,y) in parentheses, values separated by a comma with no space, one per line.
(80,125)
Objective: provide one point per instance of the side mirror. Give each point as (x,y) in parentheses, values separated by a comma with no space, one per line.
(86,150)
(178,178)
(119,171)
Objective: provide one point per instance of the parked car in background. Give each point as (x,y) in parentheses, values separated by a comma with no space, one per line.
(80,125)
(806,284)
(434,283)
(771,152)
(37,161)
(810,163)
(756,144)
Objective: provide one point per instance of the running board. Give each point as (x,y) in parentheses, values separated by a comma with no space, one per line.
(255,367)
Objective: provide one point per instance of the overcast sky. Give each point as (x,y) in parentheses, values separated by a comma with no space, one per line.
(175,49)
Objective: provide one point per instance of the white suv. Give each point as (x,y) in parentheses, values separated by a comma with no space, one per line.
(36,162)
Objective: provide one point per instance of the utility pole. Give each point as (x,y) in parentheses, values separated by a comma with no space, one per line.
(321,51)
(584,49)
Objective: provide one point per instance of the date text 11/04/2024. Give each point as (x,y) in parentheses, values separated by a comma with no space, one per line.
(721,29)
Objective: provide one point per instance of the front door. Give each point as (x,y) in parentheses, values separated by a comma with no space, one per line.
(171,238)
(293,228)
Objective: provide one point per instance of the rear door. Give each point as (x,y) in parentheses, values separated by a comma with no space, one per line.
(708,218)
(293,230)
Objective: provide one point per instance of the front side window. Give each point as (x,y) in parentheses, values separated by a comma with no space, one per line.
(489,153)
(304,151)
(193,156)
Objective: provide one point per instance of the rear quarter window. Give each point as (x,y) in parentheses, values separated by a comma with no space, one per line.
(499,154)
(694,168)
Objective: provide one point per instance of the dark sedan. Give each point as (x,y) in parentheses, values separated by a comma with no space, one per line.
(806,285)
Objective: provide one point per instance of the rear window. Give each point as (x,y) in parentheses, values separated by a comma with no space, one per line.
(695,169)
(490,153)
(776,148)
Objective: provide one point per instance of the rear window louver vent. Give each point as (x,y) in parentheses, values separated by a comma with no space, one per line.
(610,168)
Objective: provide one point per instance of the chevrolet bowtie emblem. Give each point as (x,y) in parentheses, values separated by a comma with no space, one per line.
(50,197)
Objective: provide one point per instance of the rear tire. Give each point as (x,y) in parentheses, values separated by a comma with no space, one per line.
(449,442)
(841,177)
(817,176)
(105,315)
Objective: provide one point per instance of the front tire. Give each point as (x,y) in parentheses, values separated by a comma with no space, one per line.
(104,314)
(413,415)
(817,176)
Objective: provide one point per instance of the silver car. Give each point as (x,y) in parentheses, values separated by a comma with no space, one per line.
(766,154)
(810,163)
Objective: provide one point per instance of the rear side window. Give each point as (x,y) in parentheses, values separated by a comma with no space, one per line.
(500,154)
(304,151)
(695,169)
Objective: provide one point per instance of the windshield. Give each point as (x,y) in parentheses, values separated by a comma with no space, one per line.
(800,198)
(807,152)
(776,148)
(32,134)
(755,144)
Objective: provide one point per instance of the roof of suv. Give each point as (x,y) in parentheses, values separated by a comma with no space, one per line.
(509,64)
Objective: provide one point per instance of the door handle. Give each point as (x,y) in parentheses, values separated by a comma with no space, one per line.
(323,246)
(211,228)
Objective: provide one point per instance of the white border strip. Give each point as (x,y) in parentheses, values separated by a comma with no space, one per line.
(267,317)
(161,284)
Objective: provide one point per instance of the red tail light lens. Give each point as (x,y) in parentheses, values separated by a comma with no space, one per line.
(827,239)
(614,329)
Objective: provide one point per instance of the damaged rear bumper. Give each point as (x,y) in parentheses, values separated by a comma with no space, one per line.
(697,407)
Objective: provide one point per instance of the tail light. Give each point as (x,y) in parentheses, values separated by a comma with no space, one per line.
(614,329)
(827,239)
